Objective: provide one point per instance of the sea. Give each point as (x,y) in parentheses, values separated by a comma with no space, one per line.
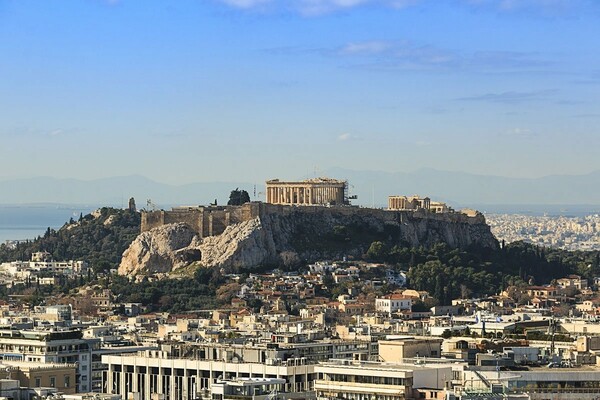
(22,222)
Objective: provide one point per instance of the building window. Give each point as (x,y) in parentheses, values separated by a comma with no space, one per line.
(52,381)
(67,381)
(38,381)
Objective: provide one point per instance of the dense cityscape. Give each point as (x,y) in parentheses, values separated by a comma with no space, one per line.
(570,233)
(300,200)
(192,311)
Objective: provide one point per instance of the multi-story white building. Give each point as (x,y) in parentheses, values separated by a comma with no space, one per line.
(25,269)
(393,303)
(51,347)
(155,373)
(187,370)
(352,380)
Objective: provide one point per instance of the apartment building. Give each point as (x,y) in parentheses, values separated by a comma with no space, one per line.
(51,347)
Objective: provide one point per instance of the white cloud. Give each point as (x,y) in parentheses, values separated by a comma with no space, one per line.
(374,47)
(520,133)
(55,132)
(512,97)
(320,7)
(346,137)
(545,7)
(317,7)
(401,55)
(246,3)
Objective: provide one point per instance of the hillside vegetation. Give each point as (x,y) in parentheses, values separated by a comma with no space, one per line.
(100,238)
(453,273)
(445,272)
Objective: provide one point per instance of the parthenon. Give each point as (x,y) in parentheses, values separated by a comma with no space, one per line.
(317,191)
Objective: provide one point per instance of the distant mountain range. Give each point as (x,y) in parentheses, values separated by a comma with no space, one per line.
(463,189)
(372,188)
(114,191)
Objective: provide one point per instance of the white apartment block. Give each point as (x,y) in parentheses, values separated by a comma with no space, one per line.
(25,269)
(153,374)
(344,379)
(392,303)
(52,347)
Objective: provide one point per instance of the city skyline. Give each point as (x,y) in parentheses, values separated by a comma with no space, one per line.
(253,89)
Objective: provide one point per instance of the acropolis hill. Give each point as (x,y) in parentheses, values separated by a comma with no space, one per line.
(256,233)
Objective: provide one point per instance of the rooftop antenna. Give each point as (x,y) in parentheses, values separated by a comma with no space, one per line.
(150,205)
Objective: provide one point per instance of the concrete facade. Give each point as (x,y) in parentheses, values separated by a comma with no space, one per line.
(342,379)
(51,348)
(154,373)
(30,374)
(399,349)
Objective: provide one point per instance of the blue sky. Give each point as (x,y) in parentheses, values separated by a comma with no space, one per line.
(245,90)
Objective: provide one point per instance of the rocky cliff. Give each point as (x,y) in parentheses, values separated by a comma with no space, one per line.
(160,250)
(283,235)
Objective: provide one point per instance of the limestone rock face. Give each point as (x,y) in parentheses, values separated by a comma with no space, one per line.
(160,250)
(239,246)
(288,235)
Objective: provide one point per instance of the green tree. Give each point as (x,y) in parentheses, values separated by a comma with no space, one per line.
(238,197)
(377,251)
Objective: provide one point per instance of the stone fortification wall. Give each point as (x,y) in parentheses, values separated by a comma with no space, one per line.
(211,221)
(205,221)
(151,219)
(393,216)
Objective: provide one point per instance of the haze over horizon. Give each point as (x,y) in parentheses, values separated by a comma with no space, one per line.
(484,192)
(246,90)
